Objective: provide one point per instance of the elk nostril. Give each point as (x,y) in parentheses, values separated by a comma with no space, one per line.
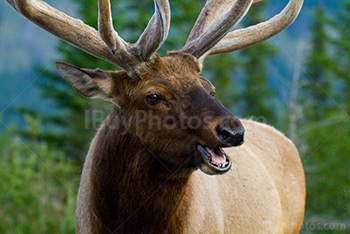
(225,134)
(222,133)
(229,137)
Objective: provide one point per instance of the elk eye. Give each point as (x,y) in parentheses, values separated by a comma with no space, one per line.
(212,94)
(153,99)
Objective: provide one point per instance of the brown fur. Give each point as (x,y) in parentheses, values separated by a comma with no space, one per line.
(145,180)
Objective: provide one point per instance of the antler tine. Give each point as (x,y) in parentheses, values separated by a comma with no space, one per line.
(218,30)
(107,44)
(156,31)
(105,27)
(242,38)
(212,10)
(62,26)
(151,39)
(257,1)
(71,30)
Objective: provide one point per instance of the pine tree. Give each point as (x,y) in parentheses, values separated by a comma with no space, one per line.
(341,42)
(325,128)
(257,96)
(221,70)
(317,81)
(241,78)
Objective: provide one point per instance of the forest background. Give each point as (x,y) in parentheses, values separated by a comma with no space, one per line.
(298,81)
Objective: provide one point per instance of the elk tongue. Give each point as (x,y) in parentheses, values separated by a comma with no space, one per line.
(217,156)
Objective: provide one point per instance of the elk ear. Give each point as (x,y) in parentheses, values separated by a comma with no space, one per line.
(89,83)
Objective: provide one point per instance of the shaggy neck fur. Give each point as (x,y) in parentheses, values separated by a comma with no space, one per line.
(133,191)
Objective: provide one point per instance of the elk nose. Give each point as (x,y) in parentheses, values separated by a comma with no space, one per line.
(230,137)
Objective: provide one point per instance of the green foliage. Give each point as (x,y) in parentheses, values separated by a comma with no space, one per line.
(319,81)
(325,127)
(220,70)
(38,186)
(326,163)
(340,23)
(241,79)
(257,98)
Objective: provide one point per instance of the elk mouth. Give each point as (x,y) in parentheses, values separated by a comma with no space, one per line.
(213,161)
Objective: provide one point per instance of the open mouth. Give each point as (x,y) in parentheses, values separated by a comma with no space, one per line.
(215,161)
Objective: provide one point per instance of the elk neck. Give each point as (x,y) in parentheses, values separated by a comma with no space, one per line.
(133,191)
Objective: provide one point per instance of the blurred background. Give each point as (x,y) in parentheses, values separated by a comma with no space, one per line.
(298,81)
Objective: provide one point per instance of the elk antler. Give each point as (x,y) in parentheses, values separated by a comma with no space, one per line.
(108,45)
(211,12)
(207,24)
(200,45)
(151,39)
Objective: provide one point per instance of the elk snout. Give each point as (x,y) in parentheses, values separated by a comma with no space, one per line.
(230,132)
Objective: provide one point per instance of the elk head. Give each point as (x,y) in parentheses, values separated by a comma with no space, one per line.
(193,123)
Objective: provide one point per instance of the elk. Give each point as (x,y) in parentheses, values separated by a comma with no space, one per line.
(142,178)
